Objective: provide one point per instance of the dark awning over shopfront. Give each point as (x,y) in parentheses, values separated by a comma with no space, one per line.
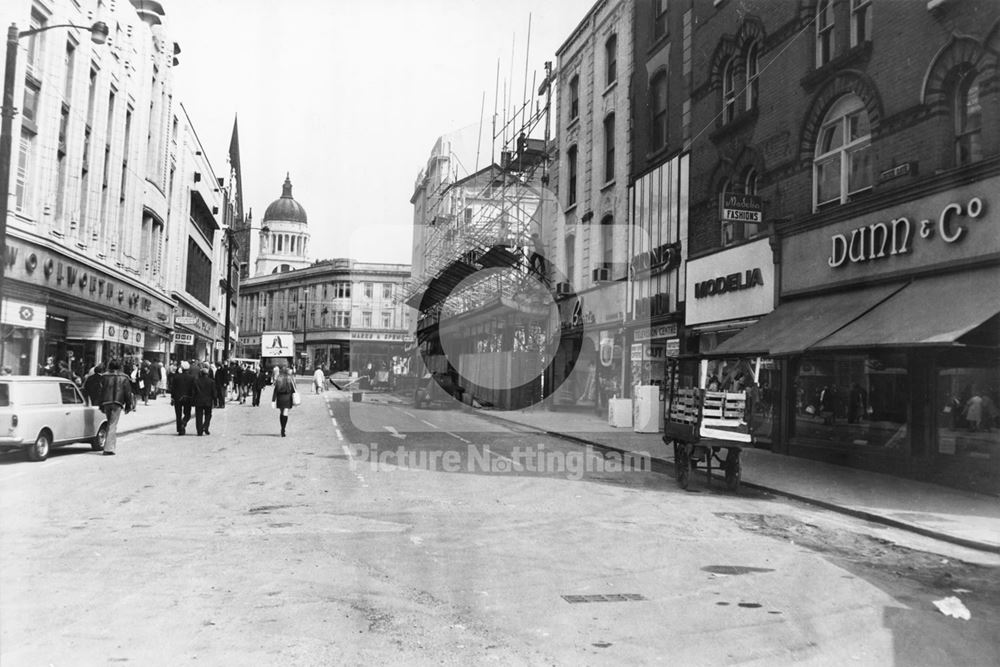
(937,310)
(798,325)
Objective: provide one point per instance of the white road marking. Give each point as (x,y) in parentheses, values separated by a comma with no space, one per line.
(454,435)
(408,414)
(354,465)
(430,424)
(515,464)
(394,433)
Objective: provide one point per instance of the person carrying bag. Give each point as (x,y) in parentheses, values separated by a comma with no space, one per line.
(285,396)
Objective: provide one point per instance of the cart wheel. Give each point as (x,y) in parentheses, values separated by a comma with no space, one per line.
(733,469)
(682,466)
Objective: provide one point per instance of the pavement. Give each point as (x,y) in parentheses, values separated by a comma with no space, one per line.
(964,518)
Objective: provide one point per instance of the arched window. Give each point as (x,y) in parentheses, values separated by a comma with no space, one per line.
(729,91)
(611,58)
(968,117)
(608,240)
(609,148)
(842,164)
(749,229)
(824,32)
(574,98)
(753,70)
(658,107)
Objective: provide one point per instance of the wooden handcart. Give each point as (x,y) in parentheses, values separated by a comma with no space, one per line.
(706,426)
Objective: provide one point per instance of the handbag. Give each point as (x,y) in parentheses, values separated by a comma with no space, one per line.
(296,398)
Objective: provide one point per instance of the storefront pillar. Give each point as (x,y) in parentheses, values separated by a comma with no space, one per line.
(34,358)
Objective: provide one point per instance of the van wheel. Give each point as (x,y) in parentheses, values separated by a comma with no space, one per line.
(39,451)
(97,444)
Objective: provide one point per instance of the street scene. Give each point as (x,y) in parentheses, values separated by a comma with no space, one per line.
(573,332)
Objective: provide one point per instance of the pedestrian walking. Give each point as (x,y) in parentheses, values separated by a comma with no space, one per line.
(181,392)
(204,397)
(319,381)
(259,382)
(222,382)
(93,386)
(116,396)
(283,397)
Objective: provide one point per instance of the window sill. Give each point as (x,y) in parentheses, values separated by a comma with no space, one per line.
(607,185)
(573,123)
(570,208)
(853,57)
(611,86)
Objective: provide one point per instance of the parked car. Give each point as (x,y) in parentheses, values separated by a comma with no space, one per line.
(436,388)
(38,413)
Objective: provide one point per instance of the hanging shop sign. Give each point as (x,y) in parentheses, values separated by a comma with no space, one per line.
(189,319)
(654,333)
(735,283)
(183,339)
(23,314)
(42,267)
(741,208)
(950,226)
(274,344)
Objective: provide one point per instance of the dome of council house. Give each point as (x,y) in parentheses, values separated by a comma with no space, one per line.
(286,209)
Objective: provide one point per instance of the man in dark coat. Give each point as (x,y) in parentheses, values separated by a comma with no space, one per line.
(181,392)
(259,382)
(221,381)
(116,396)
(92,386)
(204,398)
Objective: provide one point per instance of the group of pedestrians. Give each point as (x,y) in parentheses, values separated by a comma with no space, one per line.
(203,390)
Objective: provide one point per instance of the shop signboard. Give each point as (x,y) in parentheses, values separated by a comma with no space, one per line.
(183,339)
(736,207)
(124,334)
(23,314)
(655,332)
(948,227)
(186,321)
(731,284)
(277,344)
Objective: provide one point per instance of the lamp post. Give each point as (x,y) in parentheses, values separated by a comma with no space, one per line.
(305,325)
(98,35)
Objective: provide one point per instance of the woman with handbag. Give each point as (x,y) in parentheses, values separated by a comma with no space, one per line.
(285,396)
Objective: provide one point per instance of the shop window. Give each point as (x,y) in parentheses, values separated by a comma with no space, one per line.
(824,32)
(843,159)
(968,118)
(858,401)
(861,21)
(968,404)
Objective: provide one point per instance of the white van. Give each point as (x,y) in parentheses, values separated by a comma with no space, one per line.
(38,413)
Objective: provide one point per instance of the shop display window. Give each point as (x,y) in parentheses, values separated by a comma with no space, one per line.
(968,410)
(853,400)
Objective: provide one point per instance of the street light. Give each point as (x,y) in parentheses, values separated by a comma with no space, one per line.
(98,35)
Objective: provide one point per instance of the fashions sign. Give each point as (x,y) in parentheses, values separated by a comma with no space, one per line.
(881,240)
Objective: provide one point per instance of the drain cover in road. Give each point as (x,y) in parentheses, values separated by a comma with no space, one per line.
(611,597)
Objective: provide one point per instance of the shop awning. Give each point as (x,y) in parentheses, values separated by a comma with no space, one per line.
(937,310)
(794,326)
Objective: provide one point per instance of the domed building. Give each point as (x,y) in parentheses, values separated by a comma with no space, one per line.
(284,235)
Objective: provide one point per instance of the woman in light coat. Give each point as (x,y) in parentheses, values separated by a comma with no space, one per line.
(282,398)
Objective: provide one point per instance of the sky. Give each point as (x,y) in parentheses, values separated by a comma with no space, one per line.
(349,96)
